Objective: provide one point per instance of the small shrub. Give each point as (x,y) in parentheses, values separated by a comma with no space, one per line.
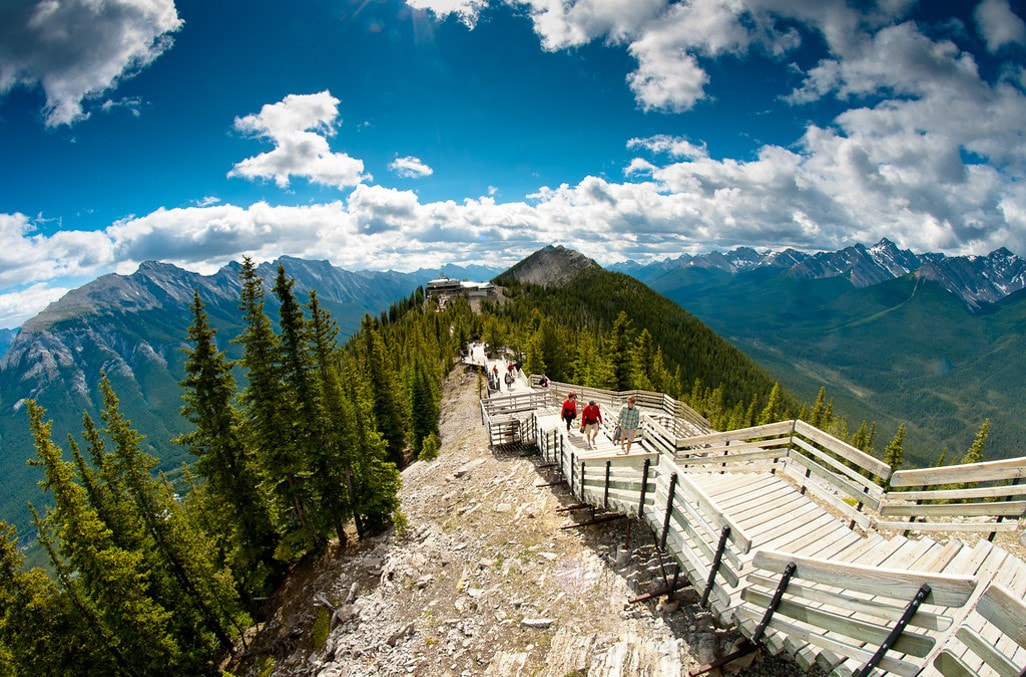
(321,629)
(401,524)
(429,447)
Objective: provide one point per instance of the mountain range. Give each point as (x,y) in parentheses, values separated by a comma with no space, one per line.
(932,341)
(133,328)
(977,280)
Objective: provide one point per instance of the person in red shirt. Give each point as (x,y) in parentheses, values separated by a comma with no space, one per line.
(590,419)
(569,411)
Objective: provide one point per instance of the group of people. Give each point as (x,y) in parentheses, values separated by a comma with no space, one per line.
(627,422)
(509,378)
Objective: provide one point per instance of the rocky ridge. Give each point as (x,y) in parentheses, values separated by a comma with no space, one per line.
(483,581)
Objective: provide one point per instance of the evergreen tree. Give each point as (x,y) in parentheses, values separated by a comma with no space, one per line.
(333,461)
(269,427)
(203,592)
(643,362)
(974,454)
(304,440)
(816,416)
(113,583)
(240,512)
(771,412)
(40,631)
(860,440)
(618,348)
(388,413)
(535,363)
(376,480)
(894,454)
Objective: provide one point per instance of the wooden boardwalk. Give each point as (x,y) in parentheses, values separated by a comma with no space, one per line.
(787,533)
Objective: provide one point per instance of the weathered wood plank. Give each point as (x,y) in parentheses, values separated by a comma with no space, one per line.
(949,494)
(815,636)
(947,526)
(947,589)
(1007,508)
(1007,612)
(833,598)
(1006,469)
(769,430)
(843,449)
(825,458)
(986,651)
(855,489)
(950,665)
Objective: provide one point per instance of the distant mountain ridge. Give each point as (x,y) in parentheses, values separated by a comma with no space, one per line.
(134,328)
(936,342)
(976,280)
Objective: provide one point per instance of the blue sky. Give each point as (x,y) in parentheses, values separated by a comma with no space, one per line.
(387,134)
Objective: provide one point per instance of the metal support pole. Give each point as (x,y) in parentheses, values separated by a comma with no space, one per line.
(582,479)
(717,558)
(896,631)
(572,473)
(669,511)
(605,491)
(644,488)
(785,578)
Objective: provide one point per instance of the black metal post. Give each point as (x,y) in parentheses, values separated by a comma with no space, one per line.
(582,479)
(717,558)
(644,488)
(572,473)
(778,594)
(669,511)
(896,631)
(605,490)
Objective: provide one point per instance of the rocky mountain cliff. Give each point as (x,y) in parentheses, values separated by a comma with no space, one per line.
(133,328)
(552,266)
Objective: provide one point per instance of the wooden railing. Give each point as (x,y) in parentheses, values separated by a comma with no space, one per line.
(970,497)
(831,470)
(986,639)
(849,618)
(682,420)
(860,618)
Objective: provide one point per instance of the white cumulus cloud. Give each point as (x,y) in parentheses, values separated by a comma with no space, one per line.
(77,50)
(999,25)
(410,167)
(466,11)
(299,127)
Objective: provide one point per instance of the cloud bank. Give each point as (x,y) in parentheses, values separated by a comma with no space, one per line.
(925,151)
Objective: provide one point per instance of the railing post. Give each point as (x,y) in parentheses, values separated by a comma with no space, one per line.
(896,631)
(717,558)
(571,473)
(778,594)
(644,488)
(669,511)
(582,480)
(605,490)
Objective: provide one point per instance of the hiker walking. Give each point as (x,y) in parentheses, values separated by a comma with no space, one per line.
(569,411)
(590,419)
(629,420)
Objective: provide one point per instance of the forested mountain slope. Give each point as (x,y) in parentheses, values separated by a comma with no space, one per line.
(133,328)
(594,327)
(905,350)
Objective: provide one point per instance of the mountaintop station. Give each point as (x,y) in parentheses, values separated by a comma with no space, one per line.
(804,542)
